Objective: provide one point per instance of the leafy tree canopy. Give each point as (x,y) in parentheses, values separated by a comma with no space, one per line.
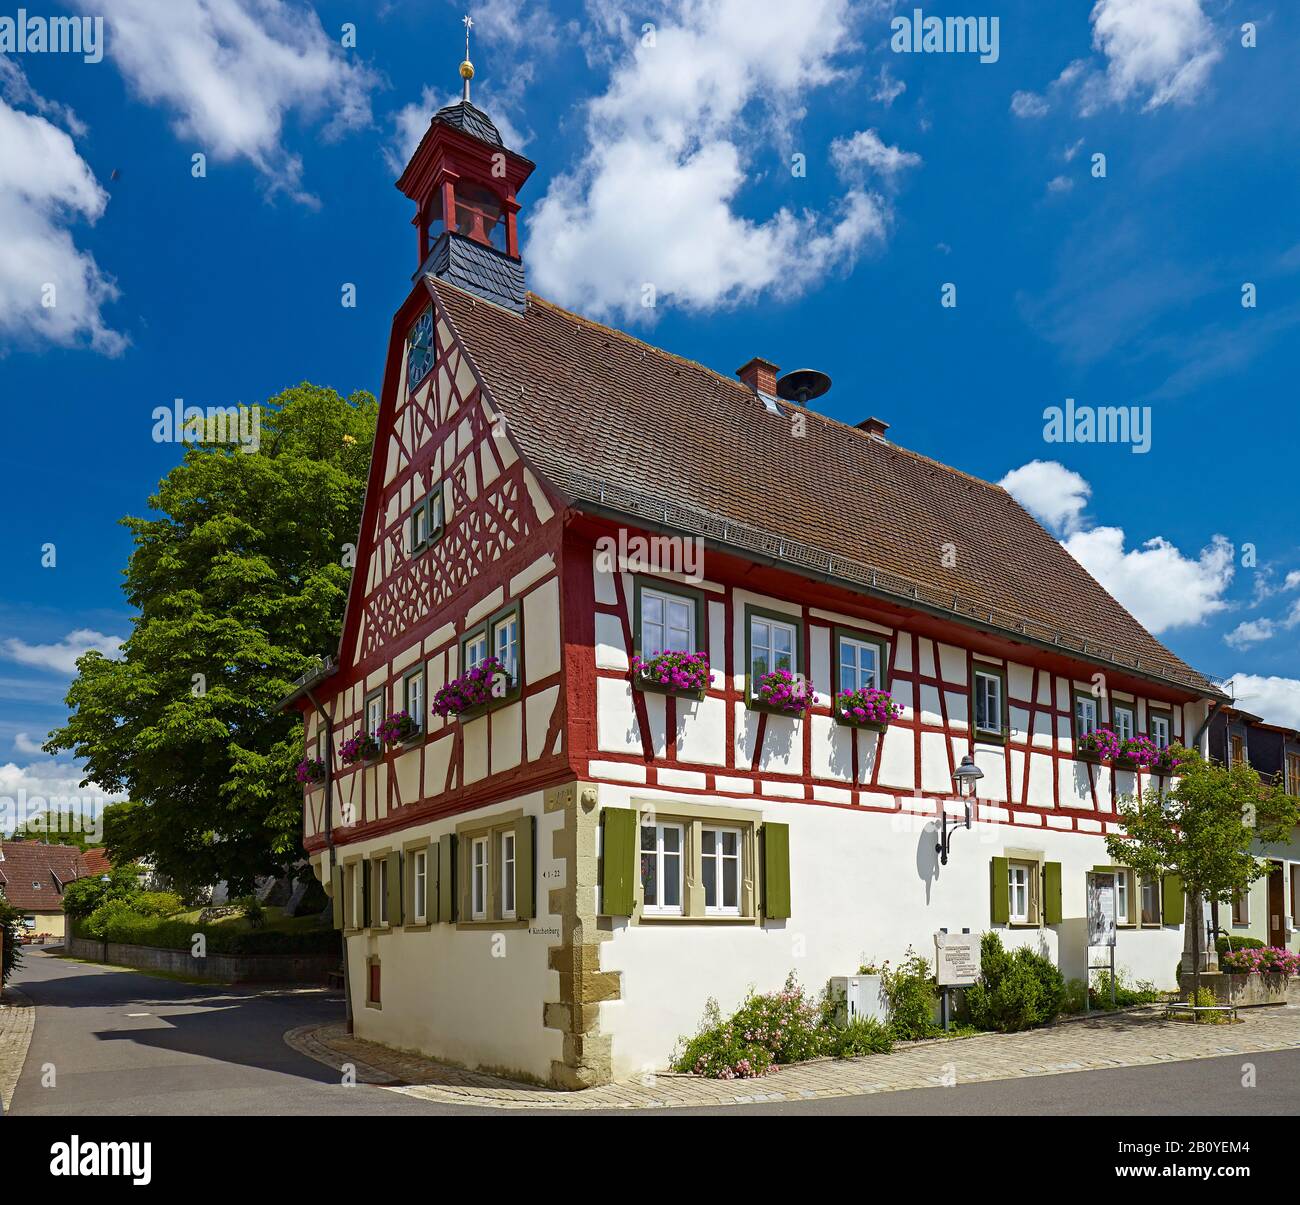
(239,580)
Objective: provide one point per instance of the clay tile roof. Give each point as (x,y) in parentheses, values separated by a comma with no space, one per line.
(96,862)
(619,425)
(28,862)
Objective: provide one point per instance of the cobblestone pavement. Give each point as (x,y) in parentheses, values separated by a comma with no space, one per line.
(17,1020)
(1132,1039)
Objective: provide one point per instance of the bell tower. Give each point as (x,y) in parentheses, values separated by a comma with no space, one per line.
(464,180)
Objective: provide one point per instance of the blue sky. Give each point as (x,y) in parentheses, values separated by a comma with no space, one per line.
(666,155)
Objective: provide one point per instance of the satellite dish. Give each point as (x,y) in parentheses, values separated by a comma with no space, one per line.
(802,385)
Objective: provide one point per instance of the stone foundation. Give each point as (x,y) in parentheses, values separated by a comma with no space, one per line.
(1245,991)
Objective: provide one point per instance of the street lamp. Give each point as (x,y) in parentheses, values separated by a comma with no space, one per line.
(966,778)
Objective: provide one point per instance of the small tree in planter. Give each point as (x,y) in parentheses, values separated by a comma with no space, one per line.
(361,747)
(673,673)
(780,690)
(1099,745)
(1203,831)
(397,728)
(867,708)
(475,688)
(310,770)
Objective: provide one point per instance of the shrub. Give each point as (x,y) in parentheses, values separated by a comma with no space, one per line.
(156,903)
(1205,998)
(109,914)
(10,928)
(253,909)
(787,1023)
(911,994)
(1016,991)
(118,922)
(721,1051)
(1238,943)
(1126,996)
(1076,996)
(861,1036)
(82,896)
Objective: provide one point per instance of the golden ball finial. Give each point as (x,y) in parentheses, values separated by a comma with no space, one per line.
(467,70)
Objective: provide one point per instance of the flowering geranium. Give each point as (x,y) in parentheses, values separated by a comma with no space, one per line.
(1102,742)
(867,706)
(675,671)
(780,689)
(1267,960)
(361,747)
(310,769)
(397,728)
(472,689)
(1168,761)
(1140,751)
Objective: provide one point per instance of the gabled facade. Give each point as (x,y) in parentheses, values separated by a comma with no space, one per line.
(33,876)
(555,881)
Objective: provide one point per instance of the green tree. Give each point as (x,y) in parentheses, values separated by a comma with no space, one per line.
(239,580)
(82,896)
(1203,831)
(11,927)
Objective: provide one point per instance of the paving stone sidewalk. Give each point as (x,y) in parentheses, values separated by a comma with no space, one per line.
(1131,1039)
(17,1020)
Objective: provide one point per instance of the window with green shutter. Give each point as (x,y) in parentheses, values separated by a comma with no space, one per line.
(340,887)
(1175,900)
(999,896)
(776,870)
(393,885)
(447,877)
(618,862)
(525,867)
(1052,912)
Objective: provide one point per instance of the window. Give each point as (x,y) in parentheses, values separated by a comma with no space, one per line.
(773,644)
(419,528)
(988,702)
(475,650)
(661,869)
(323,746)
(1018,893)
(720,870)
(1295,890)
(1122,720)
(505,644)
(419,350)
(478,881)
(357,895)
(1121,898)
(1159,725)
(1241,908)
(413,701)
(1150,900)
(381,879)
(374,713)
(861,664)
(434,521)
(1238,754)
(420,885)
(1085,715)
(667,623)
(1293,773)
(508,876)
(372,981)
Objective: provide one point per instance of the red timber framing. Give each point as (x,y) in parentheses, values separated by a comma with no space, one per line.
(1052,680)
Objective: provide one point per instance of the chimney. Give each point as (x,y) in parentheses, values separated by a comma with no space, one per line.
(759,375)
(874,427)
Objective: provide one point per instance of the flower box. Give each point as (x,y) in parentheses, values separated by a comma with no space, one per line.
(398,728)
(1099,745)
(782,692)
(1243,991)
(362,747)
(310,771)
(474,691)
(685,674)
(869,708)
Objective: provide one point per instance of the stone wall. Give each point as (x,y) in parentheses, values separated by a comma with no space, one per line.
(224,968)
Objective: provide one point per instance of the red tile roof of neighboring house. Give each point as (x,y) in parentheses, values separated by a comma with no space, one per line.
(618,425)
(96,861)
(33,874)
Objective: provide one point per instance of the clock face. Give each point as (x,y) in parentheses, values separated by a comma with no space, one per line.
(419,350)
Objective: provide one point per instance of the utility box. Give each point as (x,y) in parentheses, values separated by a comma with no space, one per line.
(858,997)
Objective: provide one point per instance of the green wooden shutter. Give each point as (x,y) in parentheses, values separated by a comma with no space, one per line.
(776,870)
(999,899)
(1052,914)
(395,889)
(525,873)
(1174,899)
(365,894)
(447,877)
(618,862)
(339,892)
(431,912)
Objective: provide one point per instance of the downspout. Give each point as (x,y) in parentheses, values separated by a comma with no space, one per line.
(329,843)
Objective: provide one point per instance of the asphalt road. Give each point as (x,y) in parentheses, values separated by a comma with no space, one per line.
(124,1043)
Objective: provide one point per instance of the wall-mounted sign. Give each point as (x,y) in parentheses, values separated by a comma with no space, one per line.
(1101,909)
(956,959)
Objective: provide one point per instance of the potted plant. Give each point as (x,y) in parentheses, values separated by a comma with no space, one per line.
(779,690)
(361,747)
(310,770)
(1254,976)
(1168,761)
(866,708)
(1100,744)
(397,728)
(673,673)
(1137,753)
(473,690)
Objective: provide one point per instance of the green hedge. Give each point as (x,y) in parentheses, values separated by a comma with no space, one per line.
(137,930)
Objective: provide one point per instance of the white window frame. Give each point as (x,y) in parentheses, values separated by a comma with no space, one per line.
(420,885)
(1084,705)
(1122,892)
(667,600)
(478,640)
(982,678)
(510,662)
(1124,709)
(661,858)
(374,714)
(1018,880)
(859,647)
(419,528)
(771,626)
(414,708)
(1155,723)
(358,916)
(381,878)
(509,905)
(478,878)
(719,859)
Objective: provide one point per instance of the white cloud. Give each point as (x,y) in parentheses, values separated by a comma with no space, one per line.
(888,89)
(1276,700)
(60,657)
(232,70)
(1292,580)
(866,150)
(50,290)
(652,201)
(1028,104)
(1160,586)
(1060,184)
(1053,494)
(1248,632)
(1161,50)
(24,744)
(29,789)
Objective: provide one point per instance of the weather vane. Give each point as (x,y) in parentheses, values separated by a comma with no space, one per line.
(467,68)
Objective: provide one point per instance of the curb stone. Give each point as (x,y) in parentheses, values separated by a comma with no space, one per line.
(17,1021)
